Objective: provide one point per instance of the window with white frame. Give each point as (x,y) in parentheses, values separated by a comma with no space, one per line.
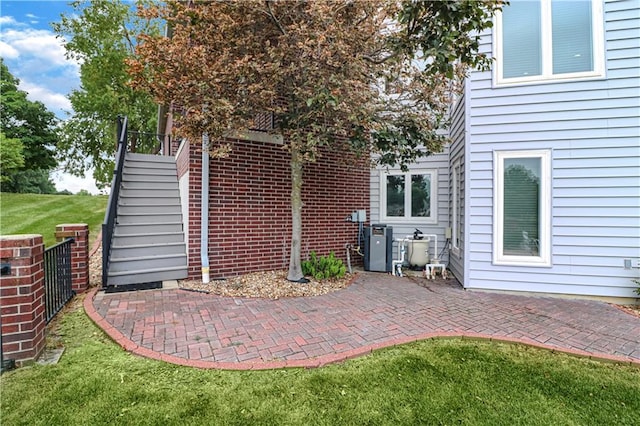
(522,208)
(549,40)
(409,196)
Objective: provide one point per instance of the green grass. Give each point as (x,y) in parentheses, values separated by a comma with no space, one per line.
(39,214)
(431,382)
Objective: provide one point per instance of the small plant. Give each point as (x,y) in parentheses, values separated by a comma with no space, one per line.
(323,267)
(637,289)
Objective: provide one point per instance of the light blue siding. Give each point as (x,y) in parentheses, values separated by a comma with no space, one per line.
(457,133)
(438,162)
(592,128)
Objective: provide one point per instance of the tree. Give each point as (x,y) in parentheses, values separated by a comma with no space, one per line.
(330,72)
(100,35)
(11,158)
(28,129)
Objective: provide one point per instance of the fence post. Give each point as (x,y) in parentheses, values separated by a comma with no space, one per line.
(79,253)
(22,300)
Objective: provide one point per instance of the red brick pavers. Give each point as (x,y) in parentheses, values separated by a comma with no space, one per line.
(376,311)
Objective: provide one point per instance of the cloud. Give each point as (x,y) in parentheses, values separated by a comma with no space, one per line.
(53,101)
(37,58)
(74,183)
(37,44)
(7,51)
(7,20)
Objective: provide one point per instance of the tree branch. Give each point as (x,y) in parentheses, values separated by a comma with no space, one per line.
(273,18)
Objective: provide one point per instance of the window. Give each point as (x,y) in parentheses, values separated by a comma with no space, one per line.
(522,197)
(455,208)
(549,40)
(408,196)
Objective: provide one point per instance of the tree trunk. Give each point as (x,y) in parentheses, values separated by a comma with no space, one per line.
(295,268)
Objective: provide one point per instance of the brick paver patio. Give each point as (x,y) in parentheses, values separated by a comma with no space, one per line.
(376,311)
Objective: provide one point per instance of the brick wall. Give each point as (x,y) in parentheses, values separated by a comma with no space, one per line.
(250,212)
(79,253)
(22,304)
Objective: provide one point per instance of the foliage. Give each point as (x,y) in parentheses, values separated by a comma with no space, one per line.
(637,289)
(323,267)
(431,382)
(100,35)
(329,72)
(11,158)
(36,181)
(28,130)
(39,214)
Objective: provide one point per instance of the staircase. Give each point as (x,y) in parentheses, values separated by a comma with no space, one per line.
(147,244)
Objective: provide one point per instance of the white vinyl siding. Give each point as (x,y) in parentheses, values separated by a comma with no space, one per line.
(547,40)
(439,164)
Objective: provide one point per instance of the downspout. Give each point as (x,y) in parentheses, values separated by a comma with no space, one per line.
(204,210)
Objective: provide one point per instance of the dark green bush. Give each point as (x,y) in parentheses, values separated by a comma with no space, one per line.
(323,267)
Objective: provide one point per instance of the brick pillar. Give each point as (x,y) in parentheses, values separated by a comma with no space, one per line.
(22,303)
(79,253)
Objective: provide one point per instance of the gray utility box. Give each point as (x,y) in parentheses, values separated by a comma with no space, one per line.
(378,248)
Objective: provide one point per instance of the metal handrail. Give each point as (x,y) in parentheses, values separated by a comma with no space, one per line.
(112,205)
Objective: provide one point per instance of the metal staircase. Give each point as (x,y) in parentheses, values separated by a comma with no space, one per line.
(146,243)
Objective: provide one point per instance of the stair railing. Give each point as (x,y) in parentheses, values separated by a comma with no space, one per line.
(112,206)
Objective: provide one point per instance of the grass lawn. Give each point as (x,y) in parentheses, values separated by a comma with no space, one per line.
(431,382)
(39,214)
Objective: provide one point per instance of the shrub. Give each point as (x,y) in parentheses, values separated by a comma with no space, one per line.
(323,267)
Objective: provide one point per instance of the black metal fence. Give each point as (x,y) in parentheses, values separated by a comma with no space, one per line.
(57,277)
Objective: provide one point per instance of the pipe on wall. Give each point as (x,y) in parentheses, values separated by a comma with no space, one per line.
(204,210)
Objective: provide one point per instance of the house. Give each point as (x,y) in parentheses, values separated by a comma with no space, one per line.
(539,189)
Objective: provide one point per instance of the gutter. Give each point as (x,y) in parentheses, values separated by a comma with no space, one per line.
(204,210)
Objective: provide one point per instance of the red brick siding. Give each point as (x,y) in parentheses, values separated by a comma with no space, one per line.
(250,210)
(79,253)
(22,298)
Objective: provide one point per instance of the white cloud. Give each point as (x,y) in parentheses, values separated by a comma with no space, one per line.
(37,58)
(74,183)
(7,20)
(53,101)
(38,44)
(7,51)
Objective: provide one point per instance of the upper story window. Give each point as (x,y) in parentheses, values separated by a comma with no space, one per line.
(408,196)
(537,40)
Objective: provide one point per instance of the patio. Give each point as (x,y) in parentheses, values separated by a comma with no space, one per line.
(376,311)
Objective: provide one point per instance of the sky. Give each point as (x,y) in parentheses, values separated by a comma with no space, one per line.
(36,57)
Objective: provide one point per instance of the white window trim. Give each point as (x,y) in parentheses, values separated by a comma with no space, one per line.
(455,219)
(407,196)
(597,25)
(544,248)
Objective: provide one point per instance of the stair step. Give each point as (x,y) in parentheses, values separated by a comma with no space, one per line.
(147,200)
(149,208)
(158,193)
(146,218)
(149,184)
(134,156)
(119,251)
(119,264)
(144,177)
(157,238)
(147,228)
(133,169)
(145,276)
